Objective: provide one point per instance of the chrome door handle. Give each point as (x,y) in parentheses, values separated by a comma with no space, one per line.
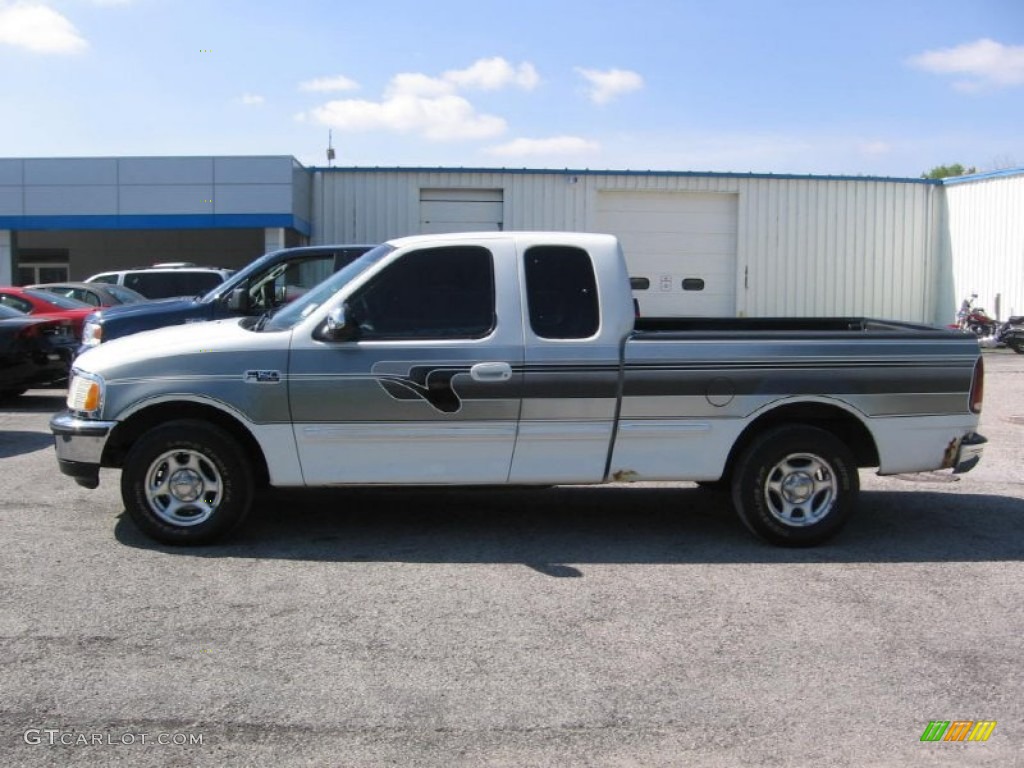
(491,372)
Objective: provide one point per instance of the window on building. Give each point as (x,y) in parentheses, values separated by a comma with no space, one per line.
(561,292)
(30,274)
(42,265)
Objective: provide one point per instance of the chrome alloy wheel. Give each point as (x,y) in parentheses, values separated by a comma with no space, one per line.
(183,487)
(801,489)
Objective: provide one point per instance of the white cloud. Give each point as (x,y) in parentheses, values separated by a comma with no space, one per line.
(416,84)
(494,74)
(39,29)
(417,103)
(988,63)
(335,83)
(874,148)
(440,118)
(606,85)
(250,99)
(555,145)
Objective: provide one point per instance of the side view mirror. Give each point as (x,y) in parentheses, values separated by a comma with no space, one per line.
(238,300)
(337,326)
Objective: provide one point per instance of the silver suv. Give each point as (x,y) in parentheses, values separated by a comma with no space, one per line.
(162,281)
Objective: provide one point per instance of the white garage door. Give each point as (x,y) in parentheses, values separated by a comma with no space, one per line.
(680,249)
(461,210)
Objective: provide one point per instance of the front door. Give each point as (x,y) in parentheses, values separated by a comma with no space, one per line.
(428,390)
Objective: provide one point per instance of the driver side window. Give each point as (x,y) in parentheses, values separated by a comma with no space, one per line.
(434,293)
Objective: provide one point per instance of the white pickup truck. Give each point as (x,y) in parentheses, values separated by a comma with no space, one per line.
(514,358)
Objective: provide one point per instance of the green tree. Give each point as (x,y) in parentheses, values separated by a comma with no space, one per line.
(945,171)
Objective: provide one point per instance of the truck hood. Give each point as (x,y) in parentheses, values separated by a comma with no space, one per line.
(157,308)
(149,347)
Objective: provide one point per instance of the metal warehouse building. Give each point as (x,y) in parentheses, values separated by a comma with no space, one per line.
(985,239)
(696,243)
(703,244)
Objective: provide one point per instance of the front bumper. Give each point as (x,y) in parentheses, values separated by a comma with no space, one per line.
(969,453)
(79,444)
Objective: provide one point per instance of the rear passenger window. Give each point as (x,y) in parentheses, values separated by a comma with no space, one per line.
(165,285)
(561,292)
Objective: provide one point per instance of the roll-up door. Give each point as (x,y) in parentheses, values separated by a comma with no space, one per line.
(680,249)
(461,210)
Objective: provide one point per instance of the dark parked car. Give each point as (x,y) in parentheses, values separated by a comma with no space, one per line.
(93,294)
(261,287)
(34,350)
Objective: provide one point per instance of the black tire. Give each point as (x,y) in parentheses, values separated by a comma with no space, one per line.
(795,486)
(214,485)
(1017,347)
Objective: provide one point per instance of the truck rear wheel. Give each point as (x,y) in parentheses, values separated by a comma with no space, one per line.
(795,486)
(186,482)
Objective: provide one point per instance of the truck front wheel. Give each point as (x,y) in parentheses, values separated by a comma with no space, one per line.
(795,486)
(186,482)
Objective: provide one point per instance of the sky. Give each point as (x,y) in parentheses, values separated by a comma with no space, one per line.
(866,88)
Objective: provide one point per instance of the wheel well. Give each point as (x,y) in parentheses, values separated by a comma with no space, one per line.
(843,424)
(131,429)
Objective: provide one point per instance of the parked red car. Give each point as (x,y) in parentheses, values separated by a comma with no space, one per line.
(36,302)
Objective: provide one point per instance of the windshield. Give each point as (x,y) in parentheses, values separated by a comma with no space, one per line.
(237,278)
(57,300)
(125,295)
(300,309)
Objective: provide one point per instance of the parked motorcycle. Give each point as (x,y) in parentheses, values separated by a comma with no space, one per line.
(1011,334)
(975,319)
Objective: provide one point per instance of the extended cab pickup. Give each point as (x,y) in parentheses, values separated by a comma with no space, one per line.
(514,358)
(263,285)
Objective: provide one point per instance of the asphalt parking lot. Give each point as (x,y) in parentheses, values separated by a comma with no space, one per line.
(616,626)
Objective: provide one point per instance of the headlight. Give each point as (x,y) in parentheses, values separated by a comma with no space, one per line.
(85,393)
(92,332)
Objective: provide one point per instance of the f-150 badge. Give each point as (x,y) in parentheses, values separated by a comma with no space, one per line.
(262,377)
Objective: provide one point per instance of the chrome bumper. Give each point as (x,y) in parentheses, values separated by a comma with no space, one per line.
(79,444)
(969,453)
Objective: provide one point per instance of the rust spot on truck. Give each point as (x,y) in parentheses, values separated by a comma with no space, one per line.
(625,476)
(949,457)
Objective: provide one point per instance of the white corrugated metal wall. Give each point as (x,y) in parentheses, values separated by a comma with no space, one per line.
(986,243)
(806,246)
